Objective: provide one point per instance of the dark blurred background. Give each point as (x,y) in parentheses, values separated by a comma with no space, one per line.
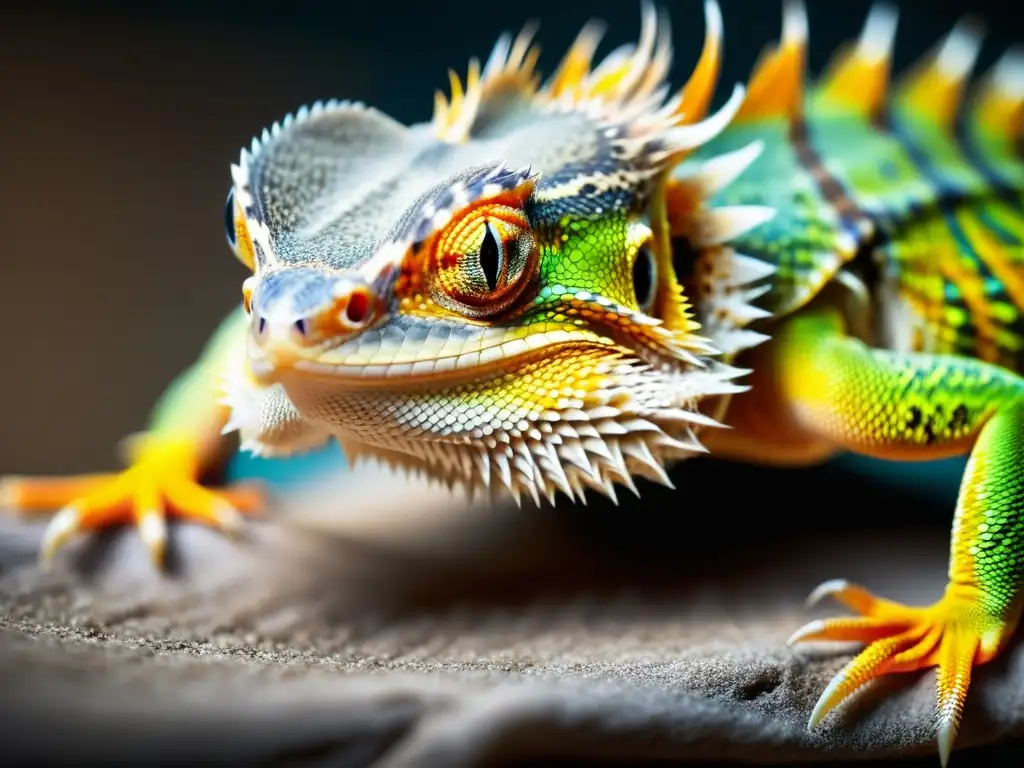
(120,120)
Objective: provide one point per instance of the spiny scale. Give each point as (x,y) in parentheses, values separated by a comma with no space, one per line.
(908,187)
(628,104)
(627,88)
(632,428)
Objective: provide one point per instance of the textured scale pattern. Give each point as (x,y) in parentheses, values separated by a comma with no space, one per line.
(555,286)
(871,398)
(459,296)
(894,300)
(989,529)
(908,180)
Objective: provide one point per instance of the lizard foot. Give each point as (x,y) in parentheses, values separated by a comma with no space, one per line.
(954,634)
(160,480)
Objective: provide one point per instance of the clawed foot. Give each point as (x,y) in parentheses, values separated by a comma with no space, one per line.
(954,634)
(161,481)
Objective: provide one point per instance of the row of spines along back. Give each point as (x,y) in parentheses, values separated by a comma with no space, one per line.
(930,135)
(884,153)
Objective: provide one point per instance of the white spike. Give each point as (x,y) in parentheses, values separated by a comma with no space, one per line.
(661,60)
(693,417)
(736,340)
(794,22)
(238,175)
(641,57)
(516,492)
(619,470)
(607,487)
(685,137)
(577,488)
(575,414)
(610,427)
(596,447)
(714,175)
(483,464)
(575,455)
(1008,73)
(713,23)
(958,53)
(720,225)
(499,55)
(521,45)
(879,33)
(504,471)
(690,445)
(638,451)
(639,425)
(557,475)
(549,494)
(603,412)
(747,269)
(567,431)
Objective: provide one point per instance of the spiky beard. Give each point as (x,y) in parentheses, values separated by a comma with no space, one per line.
(633,428)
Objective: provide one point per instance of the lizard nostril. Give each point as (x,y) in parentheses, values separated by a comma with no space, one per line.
(357,308)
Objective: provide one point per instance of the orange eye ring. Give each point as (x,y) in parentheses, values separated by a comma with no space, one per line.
(481,261)
(478,263)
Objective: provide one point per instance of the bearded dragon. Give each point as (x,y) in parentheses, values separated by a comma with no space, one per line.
(559,285)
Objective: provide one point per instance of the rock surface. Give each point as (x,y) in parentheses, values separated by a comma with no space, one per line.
(436,633)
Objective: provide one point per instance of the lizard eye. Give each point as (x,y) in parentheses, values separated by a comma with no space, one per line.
(229,219)
(492,256)
(645,278)
(482,264)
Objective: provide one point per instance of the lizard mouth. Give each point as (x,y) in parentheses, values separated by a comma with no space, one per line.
(397,357)
(408,350)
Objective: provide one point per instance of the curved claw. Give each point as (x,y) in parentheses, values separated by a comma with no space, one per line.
(854,597)
(954,634)
(146,493)
(153,532)
(62,527)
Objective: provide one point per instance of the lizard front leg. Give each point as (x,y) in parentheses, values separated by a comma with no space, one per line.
(915,407)
(185,438)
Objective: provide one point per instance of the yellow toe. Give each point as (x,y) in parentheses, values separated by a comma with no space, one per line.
(952,635)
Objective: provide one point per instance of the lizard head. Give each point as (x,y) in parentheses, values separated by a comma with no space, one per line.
(489,297)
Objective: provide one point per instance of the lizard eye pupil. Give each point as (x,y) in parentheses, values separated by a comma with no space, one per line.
(491,257)
(644,278)
(229,218)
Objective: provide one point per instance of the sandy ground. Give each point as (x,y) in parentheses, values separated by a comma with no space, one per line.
(426,632)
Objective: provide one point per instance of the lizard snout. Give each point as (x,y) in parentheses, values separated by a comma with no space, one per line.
(296,312)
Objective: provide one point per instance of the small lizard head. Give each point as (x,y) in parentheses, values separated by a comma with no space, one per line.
(491,296)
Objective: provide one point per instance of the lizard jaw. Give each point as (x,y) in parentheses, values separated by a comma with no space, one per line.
(592,416)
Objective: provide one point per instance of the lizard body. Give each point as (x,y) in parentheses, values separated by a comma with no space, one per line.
(896,316)
(557,287)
